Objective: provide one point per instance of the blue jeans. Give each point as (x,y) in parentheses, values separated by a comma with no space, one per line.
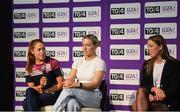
(34,100)
(73,99)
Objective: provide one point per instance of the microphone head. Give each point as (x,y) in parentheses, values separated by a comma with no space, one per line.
(43,69)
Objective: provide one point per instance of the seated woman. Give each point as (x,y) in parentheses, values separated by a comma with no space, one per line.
(160,79)
(89,72)
(44,78)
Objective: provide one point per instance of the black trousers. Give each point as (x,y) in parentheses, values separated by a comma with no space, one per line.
(34,100)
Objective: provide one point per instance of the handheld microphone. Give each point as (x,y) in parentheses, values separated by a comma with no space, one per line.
(43,80)
(43,69)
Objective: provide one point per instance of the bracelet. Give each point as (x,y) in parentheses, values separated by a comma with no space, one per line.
(80,85)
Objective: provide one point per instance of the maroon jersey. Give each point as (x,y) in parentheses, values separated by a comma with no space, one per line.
(50,69)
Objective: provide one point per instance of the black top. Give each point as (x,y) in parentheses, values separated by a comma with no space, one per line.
(170,82)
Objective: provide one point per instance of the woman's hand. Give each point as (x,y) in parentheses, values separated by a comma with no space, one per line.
(152,98)
(67,83)
(159,93)
(43,80)
(38,88)
(70,84)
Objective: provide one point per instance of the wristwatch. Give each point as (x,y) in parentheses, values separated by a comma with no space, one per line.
(80,85)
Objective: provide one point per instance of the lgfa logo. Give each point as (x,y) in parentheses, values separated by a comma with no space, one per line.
(169,8)
(132,10)
(132,52)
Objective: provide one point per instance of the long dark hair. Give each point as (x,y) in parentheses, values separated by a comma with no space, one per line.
(30,57)
(164,53)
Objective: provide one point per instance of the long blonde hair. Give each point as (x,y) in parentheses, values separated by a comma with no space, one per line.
(164,53)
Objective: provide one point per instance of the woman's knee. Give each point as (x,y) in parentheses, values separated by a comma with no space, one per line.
(73,101)
(30,91)
(141,92)
(133,106)
(69,91)
(73,104)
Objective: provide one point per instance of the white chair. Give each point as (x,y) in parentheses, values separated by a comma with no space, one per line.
(47,108)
